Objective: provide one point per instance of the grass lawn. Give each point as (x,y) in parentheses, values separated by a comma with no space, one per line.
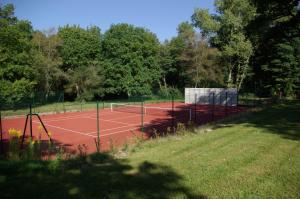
(256,155)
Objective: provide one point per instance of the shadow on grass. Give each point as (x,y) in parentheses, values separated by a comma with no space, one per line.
(95,176)
(189,116)
(282,119)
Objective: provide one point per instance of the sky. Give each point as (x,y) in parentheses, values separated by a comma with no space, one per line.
(159,16)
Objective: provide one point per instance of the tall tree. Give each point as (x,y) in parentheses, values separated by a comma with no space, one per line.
(17,78)
(81,57)
(79,47)
(175,73)
(50,77)
(227,32)
(176,57)
(205,70)
(193,61)
(131,60)
(275,31)
(86,82)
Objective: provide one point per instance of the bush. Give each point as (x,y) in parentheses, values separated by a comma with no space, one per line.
(168,92)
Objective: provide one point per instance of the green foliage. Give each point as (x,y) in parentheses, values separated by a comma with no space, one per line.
(86,82)
(188,60)
(131,60)
(15,93)
(16,56)
(227,32)
(49,75)
(284,68)
(167,93)
(255,42)
(79,47)
(81,52)
(275,33)
(173,70)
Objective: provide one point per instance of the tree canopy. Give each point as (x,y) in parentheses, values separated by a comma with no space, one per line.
(17,77)
(131,60)
(252,45)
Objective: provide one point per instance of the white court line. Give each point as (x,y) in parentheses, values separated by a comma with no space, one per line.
(89,134)
(117,132)
(62,119)
(83,115)
(109,121)
(115,128)
(78,132)
(119,118)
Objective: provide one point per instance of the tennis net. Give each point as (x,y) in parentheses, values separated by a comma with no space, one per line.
(150,110)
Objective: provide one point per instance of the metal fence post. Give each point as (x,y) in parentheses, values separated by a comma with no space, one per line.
(213,107)
(30,119)
(142,114)
(226,104)
(98,129)
(63,102)
(237,99)
(195,109)
(173,114)
(1,134)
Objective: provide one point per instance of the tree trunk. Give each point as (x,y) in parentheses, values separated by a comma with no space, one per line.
(77,91)
(229,80)
(165,82)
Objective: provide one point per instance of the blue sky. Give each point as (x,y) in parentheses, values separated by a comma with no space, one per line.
(159,16)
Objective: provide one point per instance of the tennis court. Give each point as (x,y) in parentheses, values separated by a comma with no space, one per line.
(118,124)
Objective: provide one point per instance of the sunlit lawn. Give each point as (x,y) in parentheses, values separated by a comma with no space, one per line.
(255,155)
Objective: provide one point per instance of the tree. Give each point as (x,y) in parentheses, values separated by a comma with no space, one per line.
(282,61)
(131,60)
(176,73)
(275,35)
(49,75)
(175,57)
(284,67)
(81,60)
(86,82)
(226,31)
(79,47)
(16,57)
(190,61)
(206,70)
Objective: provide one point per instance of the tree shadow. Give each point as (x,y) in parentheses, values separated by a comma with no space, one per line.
(189,116)
(94,176)
(282,119)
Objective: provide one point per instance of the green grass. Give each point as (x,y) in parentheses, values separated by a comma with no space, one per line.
(255,155)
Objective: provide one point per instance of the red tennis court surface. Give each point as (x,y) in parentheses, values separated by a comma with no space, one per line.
(117,127)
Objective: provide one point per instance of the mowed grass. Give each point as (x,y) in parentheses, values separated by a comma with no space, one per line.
(254,155)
